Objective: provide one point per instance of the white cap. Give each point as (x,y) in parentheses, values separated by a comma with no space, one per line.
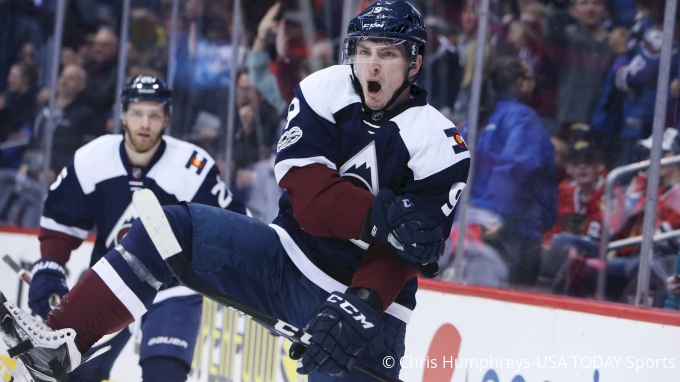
(666,144)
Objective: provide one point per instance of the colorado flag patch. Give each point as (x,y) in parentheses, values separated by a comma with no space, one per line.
(196,163)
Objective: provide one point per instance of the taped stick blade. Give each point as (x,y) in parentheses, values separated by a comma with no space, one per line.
(157,226)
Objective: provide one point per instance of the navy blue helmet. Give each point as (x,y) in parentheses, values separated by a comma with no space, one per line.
(146,88)
(395,20)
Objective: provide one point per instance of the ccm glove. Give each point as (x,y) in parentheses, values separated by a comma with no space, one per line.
(47,278)
(343,328)
(396,222)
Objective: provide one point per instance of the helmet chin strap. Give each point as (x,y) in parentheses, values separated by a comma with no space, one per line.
(376,115)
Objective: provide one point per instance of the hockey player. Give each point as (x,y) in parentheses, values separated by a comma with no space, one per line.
(372,175)
(95,190)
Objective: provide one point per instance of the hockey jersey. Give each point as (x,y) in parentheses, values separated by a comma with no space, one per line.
(575,216)
(413,149)
(95,189)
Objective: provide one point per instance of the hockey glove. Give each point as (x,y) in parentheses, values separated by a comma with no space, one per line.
(47,278)
(343,328)
(396,222)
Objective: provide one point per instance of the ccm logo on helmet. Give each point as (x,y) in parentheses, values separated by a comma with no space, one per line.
(349,308)
(374,25)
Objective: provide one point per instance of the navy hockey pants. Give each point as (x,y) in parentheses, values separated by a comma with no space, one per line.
(244,259)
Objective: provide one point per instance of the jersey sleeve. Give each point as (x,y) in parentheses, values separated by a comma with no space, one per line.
(67,217)
(214,192)
(308,138)
(438,166)
(324,204)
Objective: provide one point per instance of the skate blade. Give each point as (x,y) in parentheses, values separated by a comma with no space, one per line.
(18,374)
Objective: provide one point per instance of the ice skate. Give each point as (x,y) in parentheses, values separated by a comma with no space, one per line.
(43,354)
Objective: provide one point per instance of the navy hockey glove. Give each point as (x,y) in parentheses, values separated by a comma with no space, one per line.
(343,328)
(47,278)
(397,222)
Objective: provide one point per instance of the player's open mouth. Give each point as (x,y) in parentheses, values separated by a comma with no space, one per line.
(374,86)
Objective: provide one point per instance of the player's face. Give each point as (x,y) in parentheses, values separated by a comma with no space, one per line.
(380,67)
(144,123)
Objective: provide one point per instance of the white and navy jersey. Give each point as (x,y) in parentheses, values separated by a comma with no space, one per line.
(95,188)
(413,149)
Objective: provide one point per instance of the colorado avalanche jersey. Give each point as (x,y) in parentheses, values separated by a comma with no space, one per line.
(95,188)
(412,149)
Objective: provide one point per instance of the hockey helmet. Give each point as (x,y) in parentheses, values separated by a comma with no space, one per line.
(147,88)
(391,21)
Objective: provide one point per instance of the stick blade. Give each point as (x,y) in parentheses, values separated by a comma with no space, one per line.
(18,374)
(12,264)
(156,224)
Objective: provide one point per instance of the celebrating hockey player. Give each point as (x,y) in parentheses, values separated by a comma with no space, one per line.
(372,175)
(95,190)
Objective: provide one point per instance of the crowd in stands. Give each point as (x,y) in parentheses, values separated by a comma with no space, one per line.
(568,94)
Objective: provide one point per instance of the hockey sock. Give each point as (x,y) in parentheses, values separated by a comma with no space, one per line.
(109,297)
(96,307)
(168,369)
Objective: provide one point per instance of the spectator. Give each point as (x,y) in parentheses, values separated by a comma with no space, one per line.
(524,37)
(622,265)
(19,99)
(291,54)
(514,154)
(441,66)
(265,194)
(100,93)
(466,46)
(21,192)
(583,55)
(75,118)
(265,117)
(575,237)
(637,80)
(258,61)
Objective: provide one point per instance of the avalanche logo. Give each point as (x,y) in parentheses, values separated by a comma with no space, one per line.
(122,226)
(288,138)
(363,166)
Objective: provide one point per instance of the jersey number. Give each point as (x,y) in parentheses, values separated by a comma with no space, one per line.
(223,195)
(454,194)
(59,179)
(293,111)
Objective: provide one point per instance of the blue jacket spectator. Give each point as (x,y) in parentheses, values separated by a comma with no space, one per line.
(514,191)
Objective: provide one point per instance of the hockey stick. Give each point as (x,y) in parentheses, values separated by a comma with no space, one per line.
(54,298)
(157,226)
(19,374)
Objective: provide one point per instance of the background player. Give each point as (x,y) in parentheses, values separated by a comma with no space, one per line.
(95,190)
(372,175)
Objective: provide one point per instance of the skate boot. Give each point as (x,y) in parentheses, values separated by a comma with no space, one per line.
(44,354)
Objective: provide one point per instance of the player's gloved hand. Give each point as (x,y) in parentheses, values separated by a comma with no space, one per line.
(47,278)
(343,328)
(397,222)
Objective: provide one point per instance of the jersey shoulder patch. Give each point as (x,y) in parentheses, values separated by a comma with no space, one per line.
(98,161)
(329,90)
(432,140)
(182,168)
